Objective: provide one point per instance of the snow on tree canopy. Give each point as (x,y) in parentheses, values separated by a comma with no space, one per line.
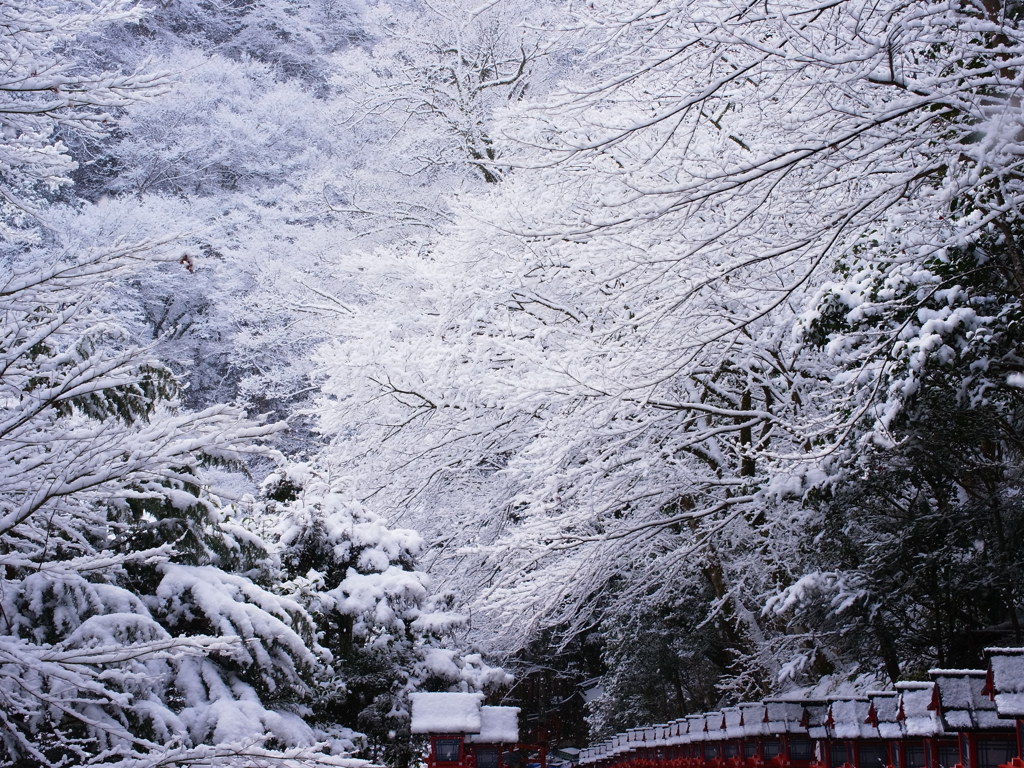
(446,712)
(499,725)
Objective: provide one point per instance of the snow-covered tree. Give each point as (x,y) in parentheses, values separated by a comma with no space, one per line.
(133,624)
(240,160)
(422,96)
(46,89)
(620,384)
(388,632)
(136,627)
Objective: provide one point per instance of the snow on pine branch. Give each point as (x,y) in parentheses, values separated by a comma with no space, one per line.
(123,627)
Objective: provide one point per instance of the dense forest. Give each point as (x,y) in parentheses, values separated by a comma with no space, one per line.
(617,359)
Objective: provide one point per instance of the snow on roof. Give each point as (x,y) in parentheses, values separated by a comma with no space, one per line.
(850,719)
(618,742)
(1010,705)
(699,727)
(658,734)
(920,719)
(886,707)
(645,735)
(734,722)
(498,725)
(676,732)
(665,731)
(817,713)
(783,715)
(446,712)
(717,725)
(752,713)
(965,706)
(1007,665)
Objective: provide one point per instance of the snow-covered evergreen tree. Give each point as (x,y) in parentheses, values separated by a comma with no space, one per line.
(388,632)
(135,623)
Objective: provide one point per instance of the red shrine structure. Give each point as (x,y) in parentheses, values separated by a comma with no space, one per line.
(464,733)
(959,718)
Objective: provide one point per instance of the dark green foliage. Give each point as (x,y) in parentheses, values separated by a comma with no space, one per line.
(923,528)
(662,664)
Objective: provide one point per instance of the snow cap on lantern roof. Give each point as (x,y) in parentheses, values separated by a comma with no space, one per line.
(1007,680)
(964,706)
(616,743)
(712,727)
(676,733)
(698,730)
(446,712)
(920,717)
(850,719)
(498,725)
(682,731)
(717,726)
(652,735)
(816,716)
(885,709)
(664,731)
(694,729)
(784,716)
(734,722)
(754,716)
(661,734)
(702,726)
